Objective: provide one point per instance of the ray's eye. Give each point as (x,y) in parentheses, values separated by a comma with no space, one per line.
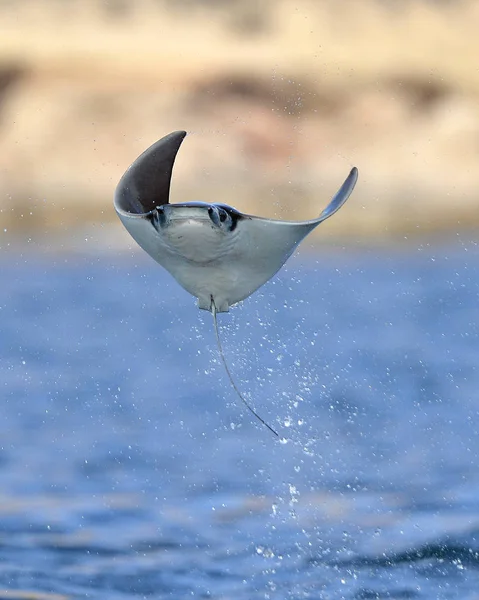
(223,216)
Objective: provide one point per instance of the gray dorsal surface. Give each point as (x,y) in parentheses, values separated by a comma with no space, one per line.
(146,184)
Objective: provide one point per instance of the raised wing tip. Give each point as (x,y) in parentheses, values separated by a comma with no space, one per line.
(354,174)
(341,195)
(146,183)
(180,134)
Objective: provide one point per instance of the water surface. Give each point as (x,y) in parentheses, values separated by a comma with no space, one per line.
(128,469)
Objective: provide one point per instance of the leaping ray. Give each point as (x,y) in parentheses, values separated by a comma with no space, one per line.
(218,254)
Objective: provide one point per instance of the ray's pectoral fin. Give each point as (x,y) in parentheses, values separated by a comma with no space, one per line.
(146,183)
(144,190)
(268,243)
(340,197)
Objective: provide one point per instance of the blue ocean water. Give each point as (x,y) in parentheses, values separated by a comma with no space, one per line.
(128,469)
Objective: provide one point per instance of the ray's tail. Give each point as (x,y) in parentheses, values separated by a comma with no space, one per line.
(230,377)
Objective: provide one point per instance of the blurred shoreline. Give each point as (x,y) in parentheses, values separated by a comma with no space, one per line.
(280,100)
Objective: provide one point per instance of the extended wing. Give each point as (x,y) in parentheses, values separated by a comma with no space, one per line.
(146,183)
(268,243)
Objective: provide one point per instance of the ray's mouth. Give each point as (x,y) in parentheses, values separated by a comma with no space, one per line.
(176,214)
(180,212)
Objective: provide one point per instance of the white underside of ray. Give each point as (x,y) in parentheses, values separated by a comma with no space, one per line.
(207,262)
(228,266)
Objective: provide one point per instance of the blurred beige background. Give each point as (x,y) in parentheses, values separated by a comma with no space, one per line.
(280,99)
